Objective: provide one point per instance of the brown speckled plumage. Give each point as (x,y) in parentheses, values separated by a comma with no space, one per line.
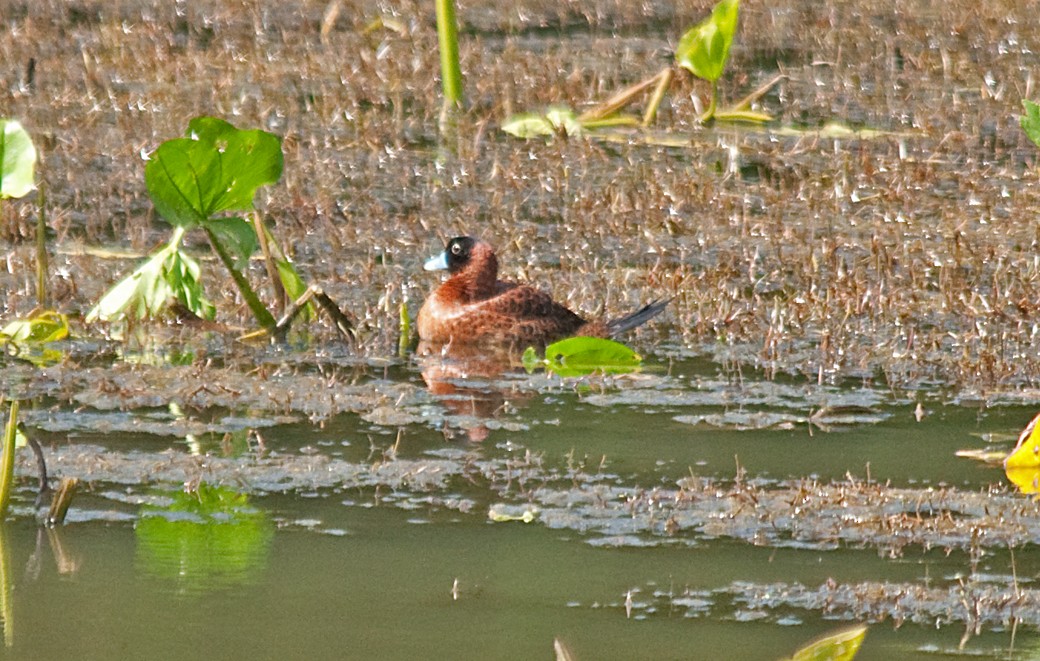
(474,306)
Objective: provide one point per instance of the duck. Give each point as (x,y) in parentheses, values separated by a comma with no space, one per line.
(474,307)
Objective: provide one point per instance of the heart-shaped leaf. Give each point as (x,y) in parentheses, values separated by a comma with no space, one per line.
(17,160)
(218,168)
(704,49)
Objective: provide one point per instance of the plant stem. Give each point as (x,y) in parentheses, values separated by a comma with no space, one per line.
(7,460)
(272,270)
(448,38)
(709,114)
(664,81)
(260,312)
(41,248)
(405,326)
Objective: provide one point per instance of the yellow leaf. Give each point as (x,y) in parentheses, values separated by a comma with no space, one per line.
(1026,479)
(1027,452)
(840,646)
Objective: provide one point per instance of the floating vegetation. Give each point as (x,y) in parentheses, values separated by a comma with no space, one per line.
(579,356)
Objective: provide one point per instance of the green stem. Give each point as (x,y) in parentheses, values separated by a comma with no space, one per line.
(175,238)
(405,327)
(709,114)
(259,310)
(448,37)
(7,460)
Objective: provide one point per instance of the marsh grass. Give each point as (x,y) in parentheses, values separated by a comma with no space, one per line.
(909,259)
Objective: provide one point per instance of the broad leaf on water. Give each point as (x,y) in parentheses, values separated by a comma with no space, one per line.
(704,49)
(502,513)
(43,327)
(1031,121)
(578,356)
(17,160)
(169,273)
(1027,451)
(218,168)
(204,539)
(840,646)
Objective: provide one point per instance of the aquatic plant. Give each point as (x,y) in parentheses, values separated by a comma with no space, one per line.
(194,182)
(842,645)
(17,160)
(10,439)
(578,356)
(703,51)
(27,336)
(17,179)
(1031,121)
(448,40)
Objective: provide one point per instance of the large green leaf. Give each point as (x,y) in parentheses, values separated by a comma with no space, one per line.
(17,160)
(577,356)
(1031,121)
(217,168)
(704,49)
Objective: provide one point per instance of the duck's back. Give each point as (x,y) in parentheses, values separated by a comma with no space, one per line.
(516,314)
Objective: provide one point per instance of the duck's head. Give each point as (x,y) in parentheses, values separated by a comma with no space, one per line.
(456,256)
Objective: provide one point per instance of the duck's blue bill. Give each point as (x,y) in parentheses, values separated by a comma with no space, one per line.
(438,263)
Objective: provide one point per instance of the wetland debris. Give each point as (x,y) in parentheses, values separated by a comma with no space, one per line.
(62,500)
(804,514)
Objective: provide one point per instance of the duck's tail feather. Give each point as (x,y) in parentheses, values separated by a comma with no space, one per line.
(644,314)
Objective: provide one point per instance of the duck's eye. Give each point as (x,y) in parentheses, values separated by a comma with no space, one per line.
(456,249)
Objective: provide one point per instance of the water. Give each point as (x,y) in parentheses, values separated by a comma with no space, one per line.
(721,504)
(409,572)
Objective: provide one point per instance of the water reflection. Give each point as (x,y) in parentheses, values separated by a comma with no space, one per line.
(6,604)
(468,381)
(204,538)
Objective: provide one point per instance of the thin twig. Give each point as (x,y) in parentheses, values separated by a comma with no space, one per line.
(41,467)
(61,501)
(622,98)
(746,102)
(280,295)
(344,324)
